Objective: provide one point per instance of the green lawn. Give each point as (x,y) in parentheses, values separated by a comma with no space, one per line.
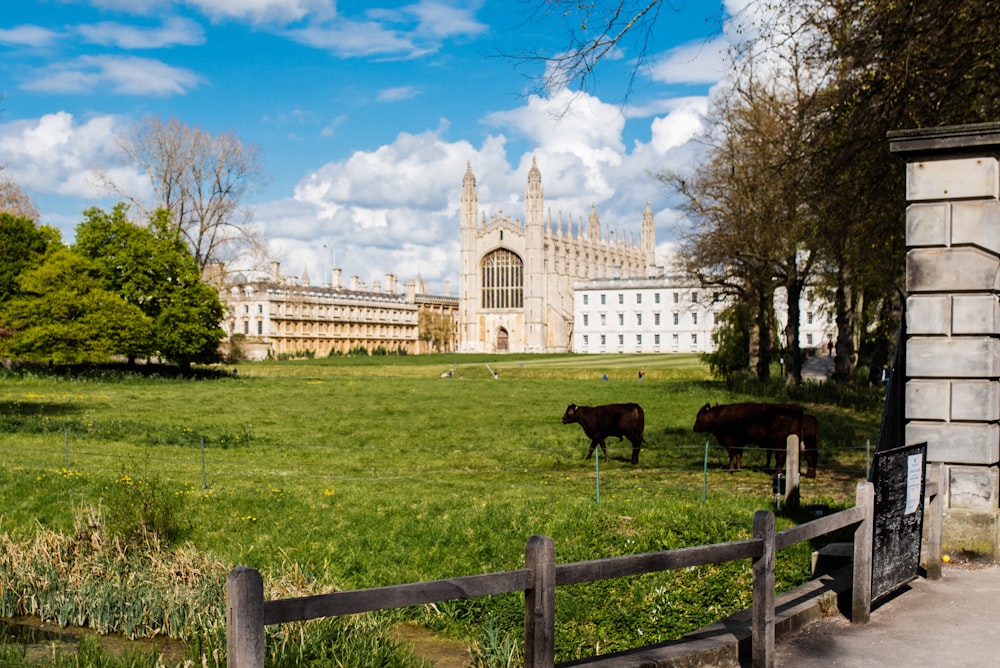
(363,472)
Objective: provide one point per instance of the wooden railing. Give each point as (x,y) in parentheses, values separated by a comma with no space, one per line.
(248,613)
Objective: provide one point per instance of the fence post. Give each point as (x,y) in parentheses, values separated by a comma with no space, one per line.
(762,632)
(861,599)
(244,619)
(540,603)
(792,471)
(934,518)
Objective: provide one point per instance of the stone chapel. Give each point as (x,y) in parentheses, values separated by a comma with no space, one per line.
(516,277)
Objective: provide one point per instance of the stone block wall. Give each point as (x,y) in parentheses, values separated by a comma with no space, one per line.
(953,321)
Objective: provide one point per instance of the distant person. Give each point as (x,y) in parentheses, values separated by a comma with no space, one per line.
(642,374)
(829,348)
(605,377)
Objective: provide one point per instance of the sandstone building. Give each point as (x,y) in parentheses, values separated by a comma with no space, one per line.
(284,316)
(516,277)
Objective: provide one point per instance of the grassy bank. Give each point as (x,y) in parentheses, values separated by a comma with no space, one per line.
(361,472)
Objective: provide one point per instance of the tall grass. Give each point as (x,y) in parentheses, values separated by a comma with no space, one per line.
(354,472)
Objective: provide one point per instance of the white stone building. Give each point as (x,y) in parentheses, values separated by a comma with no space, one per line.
(516,278)
(671,314)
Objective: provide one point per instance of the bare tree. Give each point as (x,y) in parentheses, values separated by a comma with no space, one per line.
(201,180)
(15,201)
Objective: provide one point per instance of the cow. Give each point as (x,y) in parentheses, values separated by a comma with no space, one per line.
(808,444)
(765,425)
(601,422)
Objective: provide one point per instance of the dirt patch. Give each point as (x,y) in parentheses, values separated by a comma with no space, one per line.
(441,652)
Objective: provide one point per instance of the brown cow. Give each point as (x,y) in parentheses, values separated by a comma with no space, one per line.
(808,444)
(765,425)
(601,422)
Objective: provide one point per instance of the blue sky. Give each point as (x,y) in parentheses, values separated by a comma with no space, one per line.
(366,114)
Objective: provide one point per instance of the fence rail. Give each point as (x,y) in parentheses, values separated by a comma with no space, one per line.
(247,613)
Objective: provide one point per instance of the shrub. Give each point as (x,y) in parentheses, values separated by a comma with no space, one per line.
(139,510)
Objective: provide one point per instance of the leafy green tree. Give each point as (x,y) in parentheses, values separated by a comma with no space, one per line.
(187,327)
(152,269)
(22,245)
(62,314)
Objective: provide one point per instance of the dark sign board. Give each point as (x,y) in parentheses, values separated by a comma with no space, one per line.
(898,477)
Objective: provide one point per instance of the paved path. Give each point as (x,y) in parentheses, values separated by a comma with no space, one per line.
(946,623)
(817,367)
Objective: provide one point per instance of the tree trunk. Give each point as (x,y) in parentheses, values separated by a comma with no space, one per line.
(793,352)
(846,349)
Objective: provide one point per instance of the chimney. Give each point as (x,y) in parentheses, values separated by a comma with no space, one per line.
(336,278)
(376,286)
(447,287)
(390,283)
(411,291)
(355,283)
(276,272)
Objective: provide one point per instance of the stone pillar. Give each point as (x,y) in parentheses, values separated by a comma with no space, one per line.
(953,321)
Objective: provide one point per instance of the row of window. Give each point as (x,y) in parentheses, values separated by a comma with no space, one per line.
(638,319)
(638,298)
(638,339)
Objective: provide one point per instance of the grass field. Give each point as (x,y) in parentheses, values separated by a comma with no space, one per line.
(362,472)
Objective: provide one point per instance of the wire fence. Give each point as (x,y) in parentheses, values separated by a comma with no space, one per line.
(693,467)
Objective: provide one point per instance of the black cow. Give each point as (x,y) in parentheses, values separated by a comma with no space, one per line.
(601,422)
(764,425)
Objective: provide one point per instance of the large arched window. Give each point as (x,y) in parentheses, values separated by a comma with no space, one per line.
(502,280)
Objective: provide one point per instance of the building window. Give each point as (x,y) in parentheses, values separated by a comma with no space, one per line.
(656,339)
(586,319)
(621,339)
(621,298)
(656,297)
(638,319)
(503,280)
(246,327)
(604,320)
(638,339)
(656,319)
(809,317)
(694,339)
(676,339)
(638,298)
(586,339)
(246,308)
(260,308)
(585,300)
(621,319)
(677,297)
(694,318)
(603,339)
(677,318)
(604,298)
(694,297)
(260,327)
(809,339)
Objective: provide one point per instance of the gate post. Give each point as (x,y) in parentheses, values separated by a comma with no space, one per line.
(792,471)
(861,597)
(762,624)
(244,618)
(540,603)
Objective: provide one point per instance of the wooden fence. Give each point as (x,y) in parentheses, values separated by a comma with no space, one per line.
(248,613)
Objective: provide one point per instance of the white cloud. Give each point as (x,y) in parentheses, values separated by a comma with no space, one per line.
(28,35)
(122,75)
(56,155)
(263,11)
(699,62)
(174,31)
(399,93)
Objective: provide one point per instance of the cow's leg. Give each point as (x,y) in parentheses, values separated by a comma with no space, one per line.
(739,459)
(635,451)
(604,449)
(593,444)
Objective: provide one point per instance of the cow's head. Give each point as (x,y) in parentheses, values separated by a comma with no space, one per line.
(570,414)
(704,419)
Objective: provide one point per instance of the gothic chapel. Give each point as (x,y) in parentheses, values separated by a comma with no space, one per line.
(516,282)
